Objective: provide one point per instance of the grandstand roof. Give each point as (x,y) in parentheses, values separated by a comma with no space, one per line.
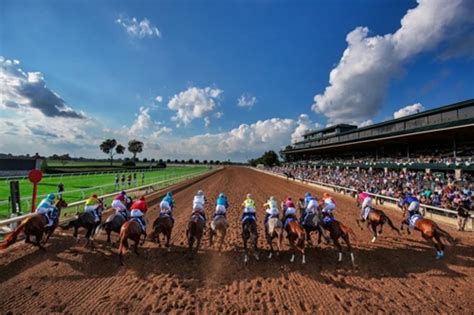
(454,116)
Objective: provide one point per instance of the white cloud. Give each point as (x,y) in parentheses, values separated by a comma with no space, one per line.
(366,123)
(207,122)
(20,89)
(304,124)
(138,29)
(246,100)
(358,83)
(141,123)
(159,98)
(408,110)
(219,115)
(194,103)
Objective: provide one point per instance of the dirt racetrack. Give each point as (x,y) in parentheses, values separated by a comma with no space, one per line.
(394,275)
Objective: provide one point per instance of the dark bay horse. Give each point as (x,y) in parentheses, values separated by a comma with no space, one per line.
(129,230)
(297,237)
(274,230)
(35,225)
(195,231)
(219,225)
(312,223)
(87,221)
(430,230)
(249,233)
(376,218)
(162,225)
(337,230)
(114,222)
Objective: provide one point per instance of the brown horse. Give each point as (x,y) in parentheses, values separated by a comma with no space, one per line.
(297,237)
(376,218)
(219,225)
(274,230)
(430,230)
(36,225)
(250,233)
(337,230)
(129,230)
(162,225)
(195,231)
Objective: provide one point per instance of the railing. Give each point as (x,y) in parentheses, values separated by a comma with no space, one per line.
(428,208)
(79,205)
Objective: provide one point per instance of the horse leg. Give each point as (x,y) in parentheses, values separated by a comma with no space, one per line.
(374,231)
(440,244)
(358,224)
(222,240)
(211,236)
(246,257)
(108,236)
(345,237)
(431,242)
(137,241)
(38,240)
(339,248)
(270,243)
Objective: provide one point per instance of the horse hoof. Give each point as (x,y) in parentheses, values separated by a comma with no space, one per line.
(270,256)
(169,249)
(374,239)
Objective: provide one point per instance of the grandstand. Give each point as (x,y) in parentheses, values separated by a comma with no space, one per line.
(438,139)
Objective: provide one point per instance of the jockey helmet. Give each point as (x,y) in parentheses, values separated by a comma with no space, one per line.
(169,194)
(307,194)
(51,197)
(123,193)
(94,196)
(221,195)
(326,195)
(200,192)
(249,196)
(142,198)
(288,198)
(272,198)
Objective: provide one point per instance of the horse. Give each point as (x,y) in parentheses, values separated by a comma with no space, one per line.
(85,220)
(36,225)
(129,230)
(249,233)
(218,225)
(115,221)
(195,231)
(163,225)
(314,223)
(429,230)
(375,218)
(337,230)
(289,175)
(274,229)
(297,236)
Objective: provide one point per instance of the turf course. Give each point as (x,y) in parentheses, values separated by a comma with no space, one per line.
(79,187)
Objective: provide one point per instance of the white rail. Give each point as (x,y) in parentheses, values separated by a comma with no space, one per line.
(79,204)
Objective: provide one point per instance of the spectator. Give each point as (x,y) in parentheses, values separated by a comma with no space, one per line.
(143,177)
(135,178)
(463,214)
(123,180)
(117,181)
(60,190)
(129,180)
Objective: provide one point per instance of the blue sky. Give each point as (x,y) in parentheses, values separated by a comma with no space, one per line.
(103,64)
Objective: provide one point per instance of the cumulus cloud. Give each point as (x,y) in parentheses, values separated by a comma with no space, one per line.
(408,110)
(357,85)
(142,122)
(207,122)
(28,89)
(246,100)
(159,98)
(304,124)
(138,29)
(194,103)
(218,115)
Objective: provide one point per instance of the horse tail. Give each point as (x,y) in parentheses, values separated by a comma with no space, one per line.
(14,235)
(446,235)
(348,231)
(389,222)
(123,240)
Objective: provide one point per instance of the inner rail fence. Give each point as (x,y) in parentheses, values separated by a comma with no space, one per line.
(426,209)
(78,206)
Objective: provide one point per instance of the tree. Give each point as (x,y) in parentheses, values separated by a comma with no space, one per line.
(269,158)
(107,147)
(135,147)
(197,161)
(168,161)
(204,162)
(120,149)
(190,161)
(211,162)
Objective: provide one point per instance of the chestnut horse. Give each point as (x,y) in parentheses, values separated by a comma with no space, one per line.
(36,225)
(162,225)
(337,230)
(297,237)
(129,230)
(430,230)
(376,218)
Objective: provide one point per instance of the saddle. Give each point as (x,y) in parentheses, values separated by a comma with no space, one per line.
(327,219)
(288,220)
(140,222)
(412,220)
(248,216)
(198,215)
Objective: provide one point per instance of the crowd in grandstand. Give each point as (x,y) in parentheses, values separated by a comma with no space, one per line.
(440,191)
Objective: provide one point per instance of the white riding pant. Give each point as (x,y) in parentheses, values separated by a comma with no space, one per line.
(118,205)
(414,206)
(220,209)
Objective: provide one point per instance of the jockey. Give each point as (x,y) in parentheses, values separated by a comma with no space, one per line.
(365,200)
(221,205)
(167,205)
(328,205)
(119,204)
(271,211)
(47,209)
(311,207)
(249,207)
(92,205)
(139,208)
(411,205)
(290,211)
(198,204)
